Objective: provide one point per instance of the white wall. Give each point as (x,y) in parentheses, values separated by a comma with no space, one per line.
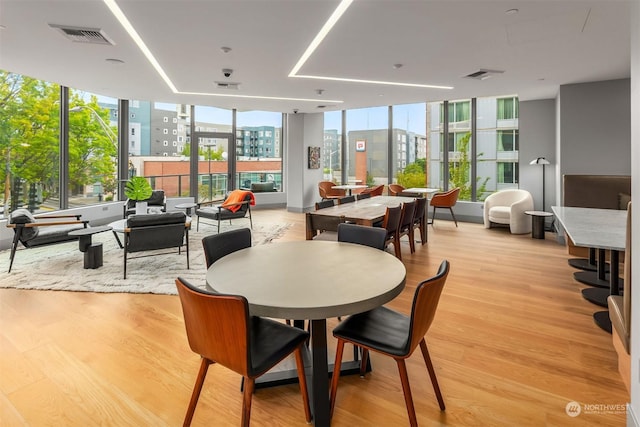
(304,131)
(634,413)
(538,139)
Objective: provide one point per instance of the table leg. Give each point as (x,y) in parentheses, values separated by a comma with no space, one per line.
(599,278)
(537,227)
(118,240)
(319,393)
(599,296)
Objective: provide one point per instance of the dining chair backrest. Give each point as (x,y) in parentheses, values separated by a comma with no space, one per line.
(420,211)
(408,209)
(317,224)
(346,199)
(377,190)
(217,326)
(325,204)
(363,196)
(392,219)
(374,237)
(425,303)
(218,245)
(394,189)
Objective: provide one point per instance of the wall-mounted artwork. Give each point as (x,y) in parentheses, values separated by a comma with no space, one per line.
(314,157)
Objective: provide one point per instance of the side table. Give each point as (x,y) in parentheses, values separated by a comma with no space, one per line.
(92,251)
(187,207)
(537,223)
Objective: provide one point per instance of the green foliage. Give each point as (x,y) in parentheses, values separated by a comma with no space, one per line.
(29,136)
(138,188)
(370,181)
(413,175)
(459,171)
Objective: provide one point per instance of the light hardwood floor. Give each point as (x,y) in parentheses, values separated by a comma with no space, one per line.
(512,343)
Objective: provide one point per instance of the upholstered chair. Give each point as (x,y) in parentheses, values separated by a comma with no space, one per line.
(395,189)
(326,190)
(508,207)
(445,200)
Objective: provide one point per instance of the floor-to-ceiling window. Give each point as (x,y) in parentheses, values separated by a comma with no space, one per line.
(93,149)
(368,145)
(258,148)
(213,135)
(332,146)
(409,145)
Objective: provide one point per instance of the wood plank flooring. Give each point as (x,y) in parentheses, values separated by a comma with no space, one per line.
(513,342)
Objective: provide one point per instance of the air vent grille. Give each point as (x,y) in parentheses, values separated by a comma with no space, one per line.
(227,85)
(83,35)
(483,74)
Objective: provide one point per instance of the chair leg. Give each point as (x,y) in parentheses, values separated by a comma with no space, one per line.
(364,362)
(198,224)
(454,217)
(197,388)
(249,386)
(14,246)
(335,376)
(396,246)
(412,236)
(302,380)
(408,399)
(433,217)
(432,373)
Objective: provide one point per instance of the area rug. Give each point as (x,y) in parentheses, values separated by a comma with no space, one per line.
(60,266)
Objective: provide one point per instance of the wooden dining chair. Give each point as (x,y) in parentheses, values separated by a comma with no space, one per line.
(420,218)
(325,204)
(346,199)
(326,190)
(391,222)
(395,189)
(446,200)
(220,329)
(406,224)
(218,245)
(363,235)
(394,334)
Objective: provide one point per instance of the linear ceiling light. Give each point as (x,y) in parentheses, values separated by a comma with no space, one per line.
(276,98)
(333,19)
(328,26)
(120,16)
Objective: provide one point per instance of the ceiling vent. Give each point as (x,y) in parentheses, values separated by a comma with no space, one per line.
(227,85)
(83,35)
(483,74)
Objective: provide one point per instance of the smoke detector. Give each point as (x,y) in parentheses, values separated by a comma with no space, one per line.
(83,35)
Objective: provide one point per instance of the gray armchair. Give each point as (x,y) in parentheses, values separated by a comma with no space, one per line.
(157,200)
(237,205)
(152,232)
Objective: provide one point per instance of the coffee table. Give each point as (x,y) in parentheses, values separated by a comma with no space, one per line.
(187,207)
(92,251)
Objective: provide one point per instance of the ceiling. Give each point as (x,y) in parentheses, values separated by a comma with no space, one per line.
(543,45)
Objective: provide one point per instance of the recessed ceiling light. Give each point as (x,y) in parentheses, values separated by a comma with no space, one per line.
(319,92)
(2,27)
(114,61)
(225,49)
(511,11)
(397,66)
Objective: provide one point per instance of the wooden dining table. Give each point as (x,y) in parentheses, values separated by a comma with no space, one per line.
(365,211)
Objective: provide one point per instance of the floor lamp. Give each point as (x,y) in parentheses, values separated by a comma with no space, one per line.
(541,161)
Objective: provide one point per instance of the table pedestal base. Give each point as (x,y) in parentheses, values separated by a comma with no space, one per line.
(586,264)
(597,296)
(93,256)
(591,278)
(601,318)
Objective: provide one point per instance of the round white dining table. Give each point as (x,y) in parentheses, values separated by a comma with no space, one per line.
(312,280)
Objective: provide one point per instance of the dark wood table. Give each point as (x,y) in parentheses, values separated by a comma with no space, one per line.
(312,280)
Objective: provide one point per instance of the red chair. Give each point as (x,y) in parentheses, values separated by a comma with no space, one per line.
(445,200)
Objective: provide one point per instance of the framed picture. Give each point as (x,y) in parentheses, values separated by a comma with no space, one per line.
(314,157)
